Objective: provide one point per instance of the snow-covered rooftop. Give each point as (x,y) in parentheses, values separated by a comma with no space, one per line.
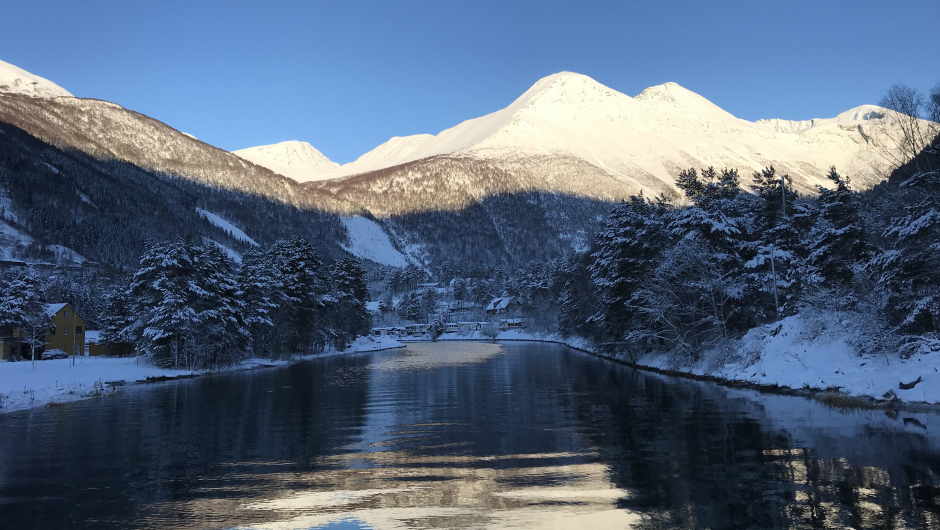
(53,309)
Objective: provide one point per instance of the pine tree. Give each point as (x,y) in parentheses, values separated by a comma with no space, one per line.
(775,253)
(302,279)
(350,294)
(634,237)
(22,305)
(409,308)
(118,319)
(909,271)
(260,287)
(839,240)
(187,312)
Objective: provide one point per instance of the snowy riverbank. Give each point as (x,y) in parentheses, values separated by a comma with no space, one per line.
(816,353)
(24,385)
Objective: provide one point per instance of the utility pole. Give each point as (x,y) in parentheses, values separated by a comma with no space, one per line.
(773,268)
(74,322)
(773,271)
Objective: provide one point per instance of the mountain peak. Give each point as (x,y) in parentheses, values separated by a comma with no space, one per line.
(15,80)
(562,86)
(683,99)
(295,159)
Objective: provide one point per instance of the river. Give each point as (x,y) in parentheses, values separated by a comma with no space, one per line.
(464,435)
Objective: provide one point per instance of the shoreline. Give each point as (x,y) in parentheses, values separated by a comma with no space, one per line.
(831,396)
(55,382)
(69,391)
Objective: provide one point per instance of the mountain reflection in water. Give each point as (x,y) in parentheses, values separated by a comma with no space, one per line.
(464,435)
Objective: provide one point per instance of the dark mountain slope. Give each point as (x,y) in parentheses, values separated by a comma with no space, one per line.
(107,210)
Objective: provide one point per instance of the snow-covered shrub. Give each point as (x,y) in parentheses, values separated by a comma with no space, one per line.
(490,330)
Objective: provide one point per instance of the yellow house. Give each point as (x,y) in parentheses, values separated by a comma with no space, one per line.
(11,344)
(66,330)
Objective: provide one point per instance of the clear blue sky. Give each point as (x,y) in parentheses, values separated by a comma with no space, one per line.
(347,75)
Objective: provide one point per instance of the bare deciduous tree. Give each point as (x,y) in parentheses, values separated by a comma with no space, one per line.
(909,126)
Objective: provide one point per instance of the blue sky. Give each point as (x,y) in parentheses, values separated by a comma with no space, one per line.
(347,75)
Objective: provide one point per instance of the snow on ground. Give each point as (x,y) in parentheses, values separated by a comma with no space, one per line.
(233,230)
(817,352)
(367,240)
(25,384)
(807,352)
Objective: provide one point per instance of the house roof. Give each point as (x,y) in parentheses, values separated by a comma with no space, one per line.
(498,304)
(52,309)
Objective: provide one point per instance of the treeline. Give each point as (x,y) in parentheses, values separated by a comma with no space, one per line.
(684,277)
(189,306)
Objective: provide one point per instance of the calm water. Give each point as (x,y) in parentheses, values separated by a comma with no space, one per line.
(463,436)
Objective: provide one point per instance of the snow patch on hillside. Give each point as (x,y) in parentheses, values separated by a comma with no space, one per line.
(233,230)
(367,240)
(232,255)
(65,255)
(15,80)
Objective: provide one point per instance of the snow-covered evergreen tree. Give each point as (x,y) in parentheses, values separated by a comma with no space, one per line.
(259,291)
(409,308)
(839,244)
(350,294)
(909,270)
(22,305)
(776,250)
(628,247)
(185,301)
(118,319)
(302,279)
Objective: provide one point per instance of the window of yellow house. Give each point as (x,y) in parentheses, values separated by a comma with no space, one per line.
(78,330)
(66,313)
(65,331)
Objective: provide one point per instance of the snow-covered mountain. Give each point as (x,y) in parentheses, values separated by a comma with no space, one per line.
(642,141)
(297,160)
(18,81)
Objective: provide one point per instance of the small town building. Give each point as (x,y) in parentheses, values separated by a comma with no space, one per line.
(504,304)
(466,327)
(12,344)
(93,346)
(506,324)
(417,330)
(66,329)
(381,332)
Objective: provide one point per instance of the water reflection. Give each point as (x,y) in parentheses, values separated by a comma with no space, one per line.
(464,436)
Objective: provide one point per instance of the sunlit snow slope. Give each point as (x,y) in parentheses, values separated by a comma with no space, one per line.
(637,140)
(297,160)
(19,81)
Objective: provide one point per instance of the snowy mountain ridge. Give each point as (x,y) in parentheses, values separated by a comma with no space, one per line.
(637,140)
(297,160)
(15,80)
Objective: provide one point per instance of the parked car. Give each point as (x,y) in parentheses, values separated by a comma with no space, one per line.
(54,354)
